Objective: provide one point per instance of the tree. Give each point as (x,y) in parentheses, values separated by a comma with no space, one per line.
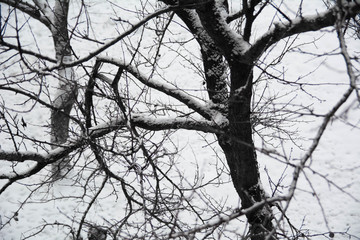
(55,19)
(116,132)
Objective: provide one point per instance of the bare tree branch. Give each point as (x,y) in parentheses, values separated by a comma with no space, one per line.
(327,119)
(139,120)
(25,51)
(115,40)
(228,218)
(299,25)
(29,9)
(163,87)
(13,177)
(332,112)
(120,145)
(12,156)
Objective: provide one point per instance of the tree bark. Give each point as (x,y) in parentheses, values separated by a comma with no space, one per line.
(218,41)
(240,153)
(237,143)
(66,91)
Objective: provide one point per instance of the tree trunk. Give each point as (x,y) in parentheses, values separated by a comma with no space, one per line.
(66,91)
(240,153)
(237,143)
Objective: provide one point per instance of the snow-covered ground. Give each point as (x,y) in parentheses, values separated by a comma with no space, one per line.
(328,192)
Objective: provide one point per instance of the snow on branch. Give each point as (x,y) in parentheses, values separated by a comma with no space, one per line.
(45,9)
(300,25)
(139,120)
(157,124)
(168,89)
(41,158)
(29,9)
(213,17)
(14,176)
(163,123)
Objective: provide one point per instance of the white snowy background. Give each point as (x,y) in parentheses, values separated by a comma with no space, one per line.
(337,157)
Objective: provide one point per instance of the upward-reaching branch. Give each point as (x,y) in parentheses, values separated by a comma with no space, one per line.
(300,25)
(215,66)
(213,17)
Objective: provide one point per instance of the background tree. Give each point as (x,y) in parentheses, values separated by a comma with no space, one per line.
(55,19)
(117,135)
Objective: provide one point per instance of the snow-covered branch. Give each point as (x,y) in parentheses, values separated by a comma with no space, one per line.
(214,21)
(168,89)
(41,158)
(163,123)
(300,25)
(14,176)
(139,120)
(45,9)
(29,9)
(157,124)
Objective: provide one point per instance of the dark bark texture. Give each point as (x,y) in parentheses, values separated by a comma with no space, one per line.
(223,49)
